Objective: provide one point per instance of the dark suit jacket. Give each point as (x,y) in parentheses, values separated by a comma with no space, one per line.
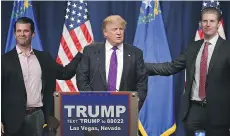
(92,75)
(217,84)
(13,91)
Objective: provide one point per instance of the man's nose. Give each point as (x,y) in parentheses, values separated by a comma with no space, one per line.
(22,33)
(118,31)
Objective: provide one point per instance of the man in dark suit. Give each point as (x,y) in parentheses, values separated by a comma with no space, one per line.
(28,81)
(113,66)
(206,99)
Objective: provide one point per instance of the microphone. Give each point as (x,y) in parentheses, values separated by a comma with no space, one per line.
(91,81)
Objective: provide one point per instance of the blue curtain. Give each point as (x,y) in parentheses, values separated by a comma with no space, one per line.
(180,20)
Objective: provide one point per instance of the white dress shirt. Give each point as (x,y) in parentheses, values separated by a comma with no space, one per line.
(108,53)
(32,73)
(196,80)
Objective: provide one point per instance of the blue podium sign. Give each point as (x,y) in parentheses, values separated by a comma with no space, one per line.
(107,114)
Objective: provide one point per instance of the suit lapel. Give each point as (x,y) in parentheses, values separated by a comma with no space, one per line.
(17,65)
(195,53)
(101,59)
(214,54)
(126,65)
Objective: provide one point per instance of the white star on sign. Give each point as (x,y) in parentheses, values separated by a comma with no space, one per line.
(73,12)
(79,14)
(74,5)
(67,10)
(204,4)
(71,25)
(66,16)
(69,3)
(147,3)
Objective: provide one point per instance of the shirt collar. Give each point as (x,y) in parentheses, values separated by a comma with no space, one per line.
(19,51)
(213,40)
(109,47)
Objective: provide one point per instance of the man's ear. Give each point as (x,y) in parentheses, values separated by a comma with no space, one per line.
(33,34)
(105,33)
(199,23)
(219,24)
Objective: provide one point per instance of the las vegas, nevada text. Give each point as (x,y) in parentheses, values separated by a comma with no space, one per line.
(101,114)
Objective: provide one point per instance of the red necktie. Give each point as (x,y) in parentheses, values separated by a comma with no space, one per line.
(203,70)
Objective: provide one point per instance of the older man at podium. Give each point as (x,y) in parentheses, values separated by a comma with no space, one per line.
(113,65)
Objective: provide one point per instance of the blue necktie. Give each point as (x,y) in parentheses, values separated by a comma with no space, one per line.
(112,77)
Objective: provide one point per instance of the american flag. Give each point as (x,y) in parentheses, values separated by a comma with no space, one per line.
(211,3)
(77,34)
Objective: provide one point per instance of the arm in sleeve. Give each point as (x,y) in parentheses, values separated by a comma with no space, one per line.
(142,78)
(228,54)
(67,72)
(167,68)
(83,72)
(2,88)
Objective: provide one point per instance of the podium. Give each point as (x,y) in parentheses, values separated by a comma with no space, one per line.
(99,113)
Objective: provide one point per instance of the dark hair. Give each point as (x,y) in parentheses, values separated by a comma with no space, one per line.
(212,10)
(25,20)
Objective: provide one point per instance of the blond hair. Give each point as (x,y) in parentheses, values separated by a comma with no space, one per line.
(113,18)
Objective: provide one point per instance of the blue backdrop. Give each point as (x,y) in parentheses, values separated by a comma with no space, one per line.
(180,20)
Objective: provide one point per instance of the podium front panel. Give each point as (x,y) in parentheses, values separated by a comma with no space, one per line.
(102,113)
